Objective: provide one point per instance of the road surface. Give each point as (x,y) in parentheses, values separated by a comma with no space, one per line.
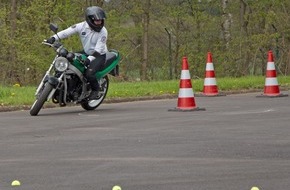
(238,142)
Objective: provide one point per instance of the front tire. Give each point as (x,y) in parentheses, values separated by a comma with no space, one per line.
(93,104)
(37,105)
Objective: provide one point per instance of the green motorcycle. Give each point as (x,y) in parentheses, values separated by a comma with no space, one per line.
(64,81)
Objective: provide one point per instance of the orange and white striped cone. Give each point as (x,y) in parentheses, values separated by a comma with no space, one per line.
(186,101)
(271,88)
(210,87)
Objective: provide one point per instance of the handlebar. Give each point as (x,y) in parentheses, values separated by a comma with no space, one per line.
(55,45)
(48,44)
(58,47)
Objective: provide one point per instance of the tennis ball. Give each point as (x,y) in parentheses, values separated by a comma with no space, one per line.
(255,188)
(116,187)
(15,183)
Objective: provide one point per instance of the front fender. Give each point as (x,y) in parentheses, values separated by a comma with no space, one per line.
(53,81)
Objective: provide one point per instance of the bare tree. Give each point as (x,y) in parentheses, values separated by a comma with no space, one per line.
(226,24)
(12,53)
(145,23)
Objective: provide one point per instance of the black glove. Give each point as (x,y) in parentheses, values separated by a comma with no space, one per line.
(50,40)
(87,62)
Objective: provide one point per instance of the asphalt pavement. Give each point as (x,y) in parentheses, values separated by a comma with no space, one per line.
(238,142)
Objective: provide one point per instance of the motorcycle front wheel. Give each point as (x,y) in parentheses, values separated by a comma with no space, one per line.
(93,104)
(42,98)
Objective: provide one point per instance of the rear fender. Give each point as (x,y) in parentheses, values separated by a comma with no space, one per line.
(111,66)
(115,71)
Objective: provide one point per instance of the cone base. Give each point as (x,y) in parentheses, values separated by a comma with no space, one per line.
(187,109)
(210,89)
(186,103)
(271,95)
(272,90)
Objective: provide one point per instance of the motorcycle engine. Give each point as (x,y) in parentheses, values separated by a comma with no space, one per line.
(74,91)
(74,88)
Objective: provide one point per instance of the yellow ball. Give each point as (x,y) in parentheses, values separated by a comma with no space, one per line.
(255,188)
(116,187)
(15,183)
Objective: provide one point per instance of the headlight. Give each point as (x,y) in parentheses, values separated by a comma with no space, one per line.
(61,64)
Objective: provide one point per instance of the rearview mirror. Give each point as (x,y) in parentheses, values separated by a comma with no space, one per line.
(53,27)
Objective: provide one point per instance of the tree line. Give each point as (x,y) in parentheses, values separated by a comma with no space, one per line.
(152,36)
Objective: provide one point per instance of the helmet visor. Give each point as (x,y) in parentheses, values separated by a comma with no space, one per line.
(95,21)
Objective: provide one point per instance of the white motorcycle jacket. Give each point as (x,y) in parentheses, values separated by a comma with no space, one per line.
(92,41)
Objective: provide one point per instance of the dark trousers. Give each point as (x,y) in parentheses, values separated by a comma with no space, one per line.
(95,66)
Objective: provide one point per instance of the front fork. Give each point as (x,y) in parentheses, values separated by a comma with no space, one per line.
(54,81)
(44,79)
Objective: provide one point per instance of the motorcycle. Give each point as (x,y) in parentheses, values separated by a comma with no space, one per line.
(64,81)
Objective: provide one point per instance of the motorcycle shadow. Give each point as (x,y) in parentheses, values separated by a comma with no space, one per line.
(74,110)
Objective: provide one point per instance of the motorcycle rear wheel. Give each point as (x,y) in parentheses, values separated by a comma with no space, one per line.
(93,104)
(37,105)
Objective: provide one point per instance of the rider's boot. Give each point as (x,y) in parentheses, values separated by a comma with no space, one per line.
(93,95)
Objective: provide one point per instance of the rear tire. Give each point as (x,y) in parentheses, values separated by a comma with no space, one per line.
(39,102)
(93,104)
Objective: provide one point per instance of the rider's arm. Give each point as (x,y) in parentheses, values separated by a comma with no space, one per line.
(67,32)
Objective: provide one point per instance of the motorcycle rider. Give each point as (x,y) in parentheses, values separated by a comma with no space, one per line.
(93,36)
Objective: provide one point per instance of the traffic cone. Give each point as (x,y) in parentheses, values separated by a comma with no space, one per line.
(210,86)
(186,101)
(271,88)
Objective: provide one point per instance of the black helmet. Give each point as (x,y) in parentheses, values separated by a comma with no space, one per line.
(95,13)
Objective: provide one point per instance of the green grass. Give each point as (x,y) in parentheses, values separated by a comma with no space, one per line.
(24,95)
